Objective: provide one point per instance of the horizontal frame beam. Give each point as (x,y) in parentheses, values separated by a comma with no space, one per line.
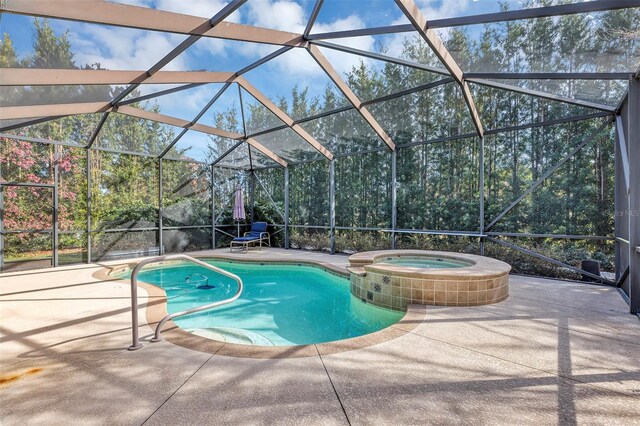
(488,18)
(27,123)
(124,15)
(159,93)
(489,83)
(554,236)
(51,77)
(26,231)
(473,234)
(381,57)
(52,110)
(177,122)
(570,119)
(27,184)
(540,94)
(38,140)
(549,75)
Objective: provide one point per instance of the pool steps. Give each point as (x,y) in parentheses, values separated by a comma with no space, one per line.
(232,335)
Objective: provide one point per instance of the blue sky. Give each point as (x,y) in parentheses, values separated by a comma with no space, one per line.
(125,48)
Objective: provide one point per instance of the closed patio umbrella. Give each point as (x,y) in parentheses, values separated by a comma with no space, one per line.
(238,208)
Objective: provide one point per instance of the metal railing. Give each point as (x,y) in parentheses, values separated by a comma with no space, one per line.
(134,296)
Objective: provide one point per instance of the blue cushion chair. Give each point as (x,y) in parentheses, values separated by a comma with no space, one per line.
(256,236)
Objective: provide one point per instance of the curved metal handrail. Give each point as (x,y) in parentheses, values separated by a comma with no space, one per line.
(134,296)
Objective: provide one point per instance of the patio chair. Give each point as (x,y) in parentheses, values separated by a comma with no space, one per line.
(257,235)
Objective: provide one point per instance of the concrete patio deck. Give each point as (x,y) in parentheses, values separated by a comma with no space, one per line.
(552,353)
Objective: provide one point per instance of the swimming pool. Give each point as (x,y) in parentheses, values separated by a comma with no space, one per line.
(281,305)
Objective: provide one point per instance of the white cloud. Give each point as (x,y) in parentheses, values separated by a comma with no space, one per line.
(122,48)
(142,3)
(203,8)
(345,62)
(437,9)
(297,64)
(434,9)
(187,103)
(281,15)
(208,46)
(145,89)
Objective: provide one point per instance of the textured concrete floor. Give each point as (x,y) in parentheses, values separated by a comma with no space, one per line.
(553,353)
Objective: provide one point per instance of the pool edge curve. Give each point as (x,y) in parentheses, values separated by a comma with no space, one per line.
(156,309)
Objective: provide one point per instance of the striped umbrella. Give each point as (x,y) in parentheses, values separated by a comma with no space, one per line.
(238,208)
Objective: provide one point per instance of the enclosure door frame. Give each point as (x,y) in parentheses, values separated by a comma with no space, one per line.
(54,217)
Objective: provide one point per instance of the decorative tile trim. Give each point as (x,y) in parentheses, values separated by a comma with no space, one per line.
(443,289)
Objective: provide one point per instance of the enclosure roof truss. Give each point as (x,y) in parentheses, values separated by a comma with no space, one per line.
(217,27)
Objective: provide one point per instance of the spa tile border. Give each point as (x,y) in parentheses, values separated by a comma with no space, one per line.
(483,281)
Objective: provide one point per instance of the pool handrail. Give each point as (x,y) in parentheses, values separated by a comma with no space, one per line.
(134,296)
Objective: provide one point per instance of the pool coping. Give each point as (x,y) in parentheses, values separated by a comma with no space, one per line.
(481,267)
(156,309)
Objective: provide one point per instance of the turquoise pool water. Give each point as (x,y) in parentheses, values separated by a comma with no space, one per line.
(424,262)
(281,305)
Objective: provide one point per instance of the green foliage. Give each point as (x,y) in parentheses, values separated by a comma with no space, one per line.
(8,58)
(437,182)
(123,187)
(310,239)
(50,51)
(358,241)
(438,243)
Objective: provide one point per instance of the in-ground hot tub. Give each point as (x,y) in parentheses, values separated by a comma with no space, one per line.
(396,278)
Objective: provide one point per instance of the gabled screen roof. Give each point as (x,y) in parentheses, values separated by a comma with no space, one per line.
(300,80)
